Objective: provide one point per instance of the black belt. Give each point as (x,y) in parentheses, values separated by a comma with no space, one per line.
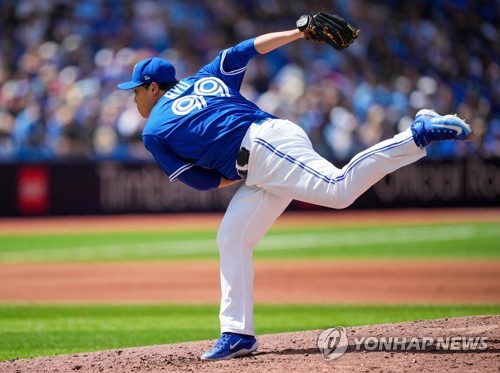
(242,163)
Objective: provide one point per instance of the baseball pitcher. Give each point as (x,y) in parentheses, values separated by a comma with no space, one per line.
(203,132)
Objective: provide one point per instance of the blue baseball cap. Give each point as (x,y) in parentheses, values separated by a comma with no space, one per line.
(150,70)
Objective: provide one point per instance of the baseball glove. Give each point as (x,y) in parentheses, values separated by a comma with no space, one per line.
(327,28)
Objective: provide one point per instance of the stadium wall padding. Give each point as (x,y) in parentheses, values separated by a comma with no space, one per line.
(121,188)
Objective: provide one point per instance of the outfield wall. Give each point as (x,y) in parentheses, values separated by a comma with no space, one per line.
(117,188)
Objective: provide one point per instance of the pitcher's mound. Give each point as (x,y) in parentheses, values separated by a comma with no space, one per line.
(459,344)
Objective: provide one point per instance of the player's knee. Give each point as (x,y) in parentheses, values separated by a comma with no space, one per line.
(231,238)
(225,239)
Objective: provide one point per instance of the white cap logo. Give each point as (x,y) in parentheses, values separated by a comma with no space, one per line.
(146,77)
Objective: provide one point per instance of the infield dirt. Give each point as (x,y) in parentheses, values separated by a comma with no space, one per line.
(379,282)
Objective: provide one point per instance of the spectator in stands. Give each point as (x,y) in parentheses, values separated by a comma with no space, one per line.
(60,62)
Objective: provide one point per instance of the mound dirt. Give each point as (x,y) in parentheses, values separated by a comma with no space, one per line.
(299,352)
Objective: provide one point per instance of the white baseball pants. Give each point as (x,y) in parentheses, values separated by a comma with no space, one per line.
(283,166)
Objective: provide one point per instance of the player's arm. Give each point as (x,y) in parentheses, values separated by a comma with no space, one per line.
(231,63)
(202,179)
(269,42)
(322,28)
(176,169)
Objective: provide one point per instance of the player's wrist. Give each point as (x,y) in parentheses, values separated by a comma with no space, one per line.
(296,34)
(300,34)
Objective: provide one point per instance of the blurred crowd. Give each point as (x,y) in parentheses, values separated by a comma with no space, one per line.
(60,61)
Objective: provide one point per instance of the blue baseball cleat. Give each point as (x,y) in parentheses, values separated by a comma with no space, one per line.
(429,126)
(231,345)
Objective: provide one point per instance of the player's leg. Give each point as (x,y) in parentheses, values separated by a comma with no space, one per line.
(295,170)
(251,212)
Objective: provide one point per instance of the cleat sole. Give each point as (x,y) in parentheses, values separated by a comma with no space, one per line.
(467,127)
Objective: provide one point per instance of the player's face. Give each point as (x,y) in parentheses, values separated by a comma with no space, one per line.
(145,100)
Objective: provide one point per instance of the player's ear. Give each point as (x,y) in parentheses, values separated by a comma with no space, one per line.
(155,88)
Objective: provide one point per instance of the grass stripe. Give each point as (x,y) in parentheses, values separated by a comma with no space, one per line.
(37,330)
(276,241)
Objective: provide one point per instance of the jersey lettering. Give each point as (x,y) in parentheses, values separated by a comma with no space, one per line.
(211,87)
(187,104)
(204,87)
(177,90)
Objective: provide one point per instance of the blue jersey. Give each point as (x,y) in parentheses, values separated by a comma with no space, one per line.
(196,129)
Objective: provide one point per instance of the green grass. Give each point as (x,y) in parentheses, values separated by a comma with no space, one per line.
(463,241)
(37,330)
(41,330)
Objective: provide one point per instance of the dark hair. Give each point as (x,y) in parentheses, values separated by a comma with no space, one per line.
(163,86)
